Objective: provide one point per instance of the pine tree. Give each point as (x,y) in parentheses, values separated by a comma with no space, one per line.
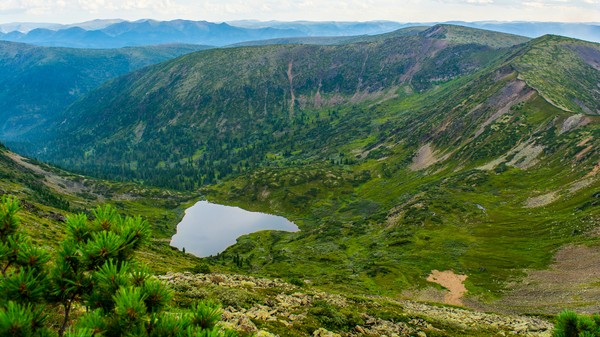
(94,268)
(23,285)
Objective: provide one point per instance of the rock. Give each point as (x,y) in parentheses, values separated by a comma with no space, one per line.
(360,329)
(294,317)
(245,324)
(324,333)
(263,315)
(521,327)
(248,284)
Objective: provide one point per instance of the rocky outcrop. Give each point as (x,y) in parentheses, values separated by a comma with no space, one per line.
(288,306)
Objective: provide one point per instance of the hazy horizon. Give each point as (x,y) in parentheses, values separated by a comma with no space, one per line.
(293,21)
(77,11)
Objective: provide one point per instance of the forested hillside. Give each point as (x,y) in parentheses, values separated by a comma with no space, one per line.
(47,195)
(57,265)
(210,114)
(449,149)
(37,82)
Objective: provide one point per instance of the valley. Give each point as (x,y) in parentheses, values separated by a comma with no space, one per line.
(426,167)
(39,82)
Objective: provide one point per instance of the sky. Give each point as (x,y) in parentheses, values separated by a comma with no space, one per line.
(72,11)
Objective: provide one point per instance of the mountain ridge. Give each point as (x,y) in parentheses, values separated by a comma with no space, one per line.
(120,33)
(38,82)
(146,32)
(407,55)
(396,156)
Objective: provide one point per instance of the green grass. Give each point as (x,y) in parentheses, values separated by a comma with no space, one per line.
(383,234)
(369,224)
(44,208)
(552,60)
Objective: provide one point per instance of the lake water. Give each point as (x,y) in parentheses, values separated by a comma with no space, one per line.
(207,229)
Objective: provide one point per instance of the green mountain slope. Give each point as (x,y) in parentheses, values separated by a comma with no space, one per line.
(250,304)
(553,59)
(334,40)
(221,111)
(38,82)
(445,150)
(48,194)
(488,181)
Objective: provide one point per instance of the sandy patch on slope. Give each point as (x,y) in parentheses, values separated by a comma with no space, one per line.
(451,281)
(51,179)
(524,156)
(426,157)
(514,93)
(541,200)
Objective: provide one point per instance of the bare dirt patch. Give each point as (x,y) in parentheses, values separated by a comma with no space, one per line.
(585,141)
(491,165)
(290,76)
(594,171)
(70,185)
(515,92)
(541,200)
(584,152)
(451,281)
(573,122)
(572,281)
(589,55)
(426,157)
(524,156)
(576,186)
(51,180)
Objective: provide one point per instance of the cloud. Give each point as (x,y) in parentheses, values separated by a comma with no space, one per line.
(480,2)
(40,7)
(126,5)
(355,10)
(29,7)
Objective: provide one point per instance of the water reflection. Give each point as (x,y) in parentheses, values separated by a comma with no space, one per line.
(207,229)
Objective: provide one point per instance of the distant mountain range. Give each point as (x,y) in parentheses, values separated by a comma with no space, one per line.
(145,32)
(119,33)
(26,27)
(38,82)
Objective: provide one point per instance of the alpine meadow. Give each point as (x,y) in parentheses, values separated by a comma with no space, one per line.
(444,180)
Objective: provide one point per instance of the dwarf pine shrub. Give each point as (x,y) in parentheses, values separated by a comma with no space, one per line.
(92,271)
(570,324)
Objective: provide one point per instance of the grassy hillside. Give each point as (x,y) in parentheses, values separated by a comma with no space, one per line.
(553,59)
(251,305)
(224,111)
(48,194)
(447,150)
(490,206)
(36,83)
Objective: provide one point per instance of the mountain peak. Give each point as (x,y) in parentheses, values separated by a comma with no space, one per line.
(570,84)
(462,34)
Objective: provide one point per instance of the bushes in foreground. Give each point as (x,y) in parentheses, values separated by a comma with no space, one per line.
(570,324)
(91,286)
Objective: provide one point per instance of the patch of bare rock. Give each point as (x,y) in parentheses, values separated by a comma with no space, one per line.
(286,305)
